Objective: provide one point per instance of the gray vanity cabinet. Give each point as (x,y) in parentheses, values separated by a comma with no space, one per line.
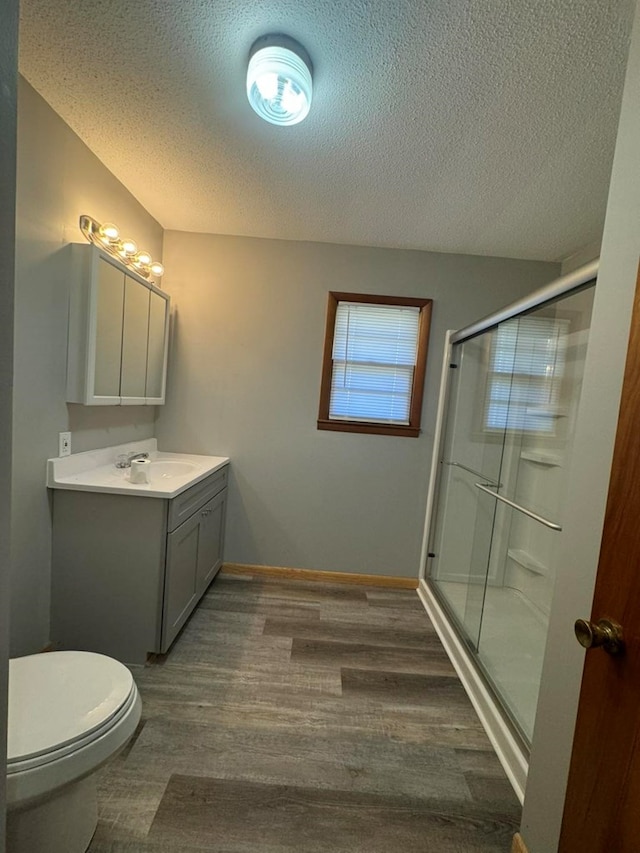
(128,570)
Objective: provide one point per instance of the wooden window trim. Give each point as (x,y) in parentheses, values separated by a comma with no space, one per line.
(410,430)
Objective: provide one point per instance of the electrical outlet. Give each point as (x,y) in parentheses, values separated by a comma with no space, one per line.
(64,444)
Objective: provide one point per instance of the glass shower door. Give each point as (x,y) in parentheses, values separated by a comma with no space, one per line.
(461,546)
(497,520)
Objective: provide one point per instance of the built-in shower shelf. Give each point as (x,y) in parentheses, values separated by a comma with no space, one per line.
(524,559)
(549,411)
(552,460)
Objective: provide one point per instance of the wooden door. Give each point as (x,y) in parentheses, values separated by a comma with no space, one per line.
(602,807)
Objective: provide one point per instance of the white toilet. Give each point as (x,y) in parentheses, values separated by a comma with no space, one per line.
(69,712)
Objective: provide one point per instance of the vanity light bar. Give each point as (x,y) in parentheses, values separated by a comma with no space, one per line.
(107,237)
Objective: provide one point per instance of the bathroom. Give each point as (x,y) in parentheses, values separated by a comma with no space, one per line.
(228,291)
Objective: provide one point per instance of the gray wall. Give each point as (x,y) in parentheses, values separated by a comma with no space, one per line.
(8,83)
(245,378)
(58,179)
(588,477)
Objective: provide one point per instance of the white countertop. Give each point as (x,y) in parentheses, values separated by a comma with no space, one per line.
(95,471)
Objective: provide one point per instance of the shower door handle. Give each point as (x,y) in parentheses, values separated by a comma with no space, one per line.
(485,487)
(604,633)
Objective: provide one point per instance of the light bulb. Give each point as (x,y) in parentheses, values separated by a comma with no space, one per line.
(267,85)
(108,232)
(156,269)
(128,248)
(142,259)
(292,98)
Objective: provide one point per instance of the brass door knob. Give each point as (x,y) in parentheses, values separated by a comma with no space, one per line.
(604,633)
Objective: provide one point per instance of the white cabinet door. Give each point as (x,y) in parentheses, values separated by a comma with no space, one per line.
(109,296)
(135,329)
(157,348)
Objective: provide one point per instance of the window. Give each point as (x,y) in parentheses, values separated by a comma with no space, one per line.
(526,367)
(375,357)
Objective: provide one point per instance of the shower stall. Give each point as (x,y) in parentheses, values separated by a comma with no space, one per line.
(510,392)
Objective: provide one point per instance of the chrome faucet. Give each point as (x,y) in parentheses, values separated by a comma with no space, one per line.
(124,460)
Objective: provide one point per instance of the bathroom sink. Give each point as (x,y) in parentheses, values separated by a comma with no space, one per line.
(165,468)
(169,473)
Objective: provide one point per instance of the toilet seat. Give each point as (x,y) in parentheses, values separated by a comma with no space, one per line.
(41,758)
(59,697)
(69,712)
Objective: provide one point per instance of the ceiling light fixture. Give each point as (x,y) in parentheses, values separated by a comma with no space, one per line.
(107,237)
(279,83)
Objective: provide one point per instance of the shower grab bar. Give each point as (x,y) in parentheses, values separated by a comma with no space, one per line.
(484,488)
(470,471)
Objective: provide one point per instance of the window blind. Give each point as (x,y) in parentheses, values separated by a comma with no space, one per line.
(527,364)
(374,358)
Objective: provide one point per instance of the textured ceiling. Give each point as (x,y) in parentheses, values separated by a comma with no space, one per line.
(479,126)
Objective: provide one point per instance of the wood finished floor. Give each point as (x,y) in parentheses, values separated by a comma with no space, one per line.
(299,717)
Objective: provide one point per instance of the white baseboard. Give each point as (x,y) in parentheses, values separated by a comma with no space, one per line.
(507,747)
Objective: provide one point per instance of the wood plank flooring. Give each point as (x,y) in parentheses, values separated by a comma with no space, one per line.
(299,717)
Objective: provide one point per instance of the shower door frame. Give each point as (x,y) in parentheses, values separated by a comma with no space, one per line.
(509,747)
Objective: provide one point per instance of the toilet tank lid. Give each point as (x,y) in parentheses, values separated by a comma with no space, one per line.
(56,698)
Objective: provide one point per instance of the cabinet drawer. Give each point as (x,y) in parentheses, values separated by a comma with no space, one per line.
(181,507)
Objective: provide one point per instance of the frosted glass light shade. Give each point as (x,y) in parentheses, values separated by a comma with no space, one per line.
(128,247)
(279,84)
(108,232)
(142,259)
